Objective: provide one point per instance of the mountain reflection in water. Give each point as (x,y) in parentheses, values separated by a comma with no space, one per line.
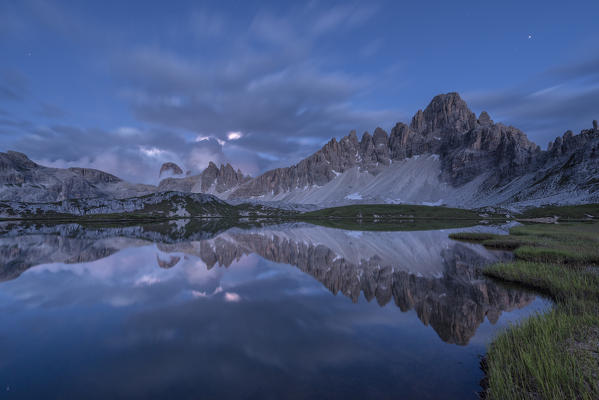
(159,296)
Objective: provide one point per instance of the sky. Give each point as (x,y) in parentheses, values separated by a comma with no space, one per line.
(125,86)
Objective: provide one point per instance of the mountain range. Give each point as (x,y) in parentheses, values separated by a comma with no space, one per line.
(446,155)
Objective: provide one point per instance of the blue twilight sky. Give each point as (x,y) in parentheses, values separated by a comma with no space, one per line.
(125,86)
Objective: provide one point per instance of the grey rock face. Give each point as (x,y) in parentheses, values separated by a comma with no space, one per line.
(484,119)
(446,113)
(212,180)
(570,165)
(23,180)
(466,145)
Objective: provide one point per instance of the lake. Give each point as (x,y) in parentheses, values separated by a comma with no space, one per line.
(188,310)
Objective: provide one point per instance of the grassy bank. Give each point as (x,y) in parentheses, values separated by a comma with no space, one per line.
(555,355)
(391,225)
(577,212)
(398,211)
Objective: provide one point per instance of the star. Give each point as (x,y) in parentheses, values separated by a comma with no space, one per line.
(530,36)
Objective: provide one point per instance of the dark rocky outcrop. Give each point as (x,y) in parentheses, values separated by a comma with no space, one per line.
(170,167)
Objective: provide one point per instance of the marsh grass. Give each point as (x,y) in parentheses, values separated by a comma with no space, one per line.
(562,283)
(571,243)
(542,358)
(398,211)
(578,212)
(554,355)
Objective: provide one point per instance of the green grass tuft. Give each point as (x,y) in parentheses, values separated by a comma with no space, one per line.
(560,282)
(555,355)
(544,358)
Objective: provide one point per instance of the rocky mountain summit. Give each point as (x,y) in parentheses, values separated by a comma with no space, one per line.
(445,155)
(213,180)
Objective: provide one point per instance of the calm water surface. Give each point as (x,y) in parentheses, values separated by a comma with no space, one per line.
(291,311)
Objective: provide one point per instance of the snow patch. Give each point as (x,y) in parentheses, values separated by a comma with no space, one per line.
(436,203)
(354,196)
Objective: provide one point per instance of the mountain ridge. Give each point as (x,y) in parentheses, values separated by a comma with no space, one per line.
(446,155)
(472,152)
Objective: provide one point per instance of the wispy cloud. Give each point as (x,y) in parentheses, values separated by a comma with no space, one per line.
(555,100)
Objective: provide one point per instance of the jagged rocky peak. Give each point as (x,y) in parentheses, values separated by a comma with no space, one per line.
(221,179)
(464,147)
(228,177)
(484,119)
(170,167)
(212,179)
(569,168)
(211,166)
(446,112)
(569,142)
(208,176)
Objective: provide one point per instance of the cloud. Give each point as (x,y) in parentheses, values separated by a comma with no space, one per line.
(234,135)
(147,280)
(587,69)
(206,24)
(343,16)
(231,297)
(51,111)
(558,99)
(7,93)
(268,100)
(14,85)
(239,89)
(131,153)
(267,81)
